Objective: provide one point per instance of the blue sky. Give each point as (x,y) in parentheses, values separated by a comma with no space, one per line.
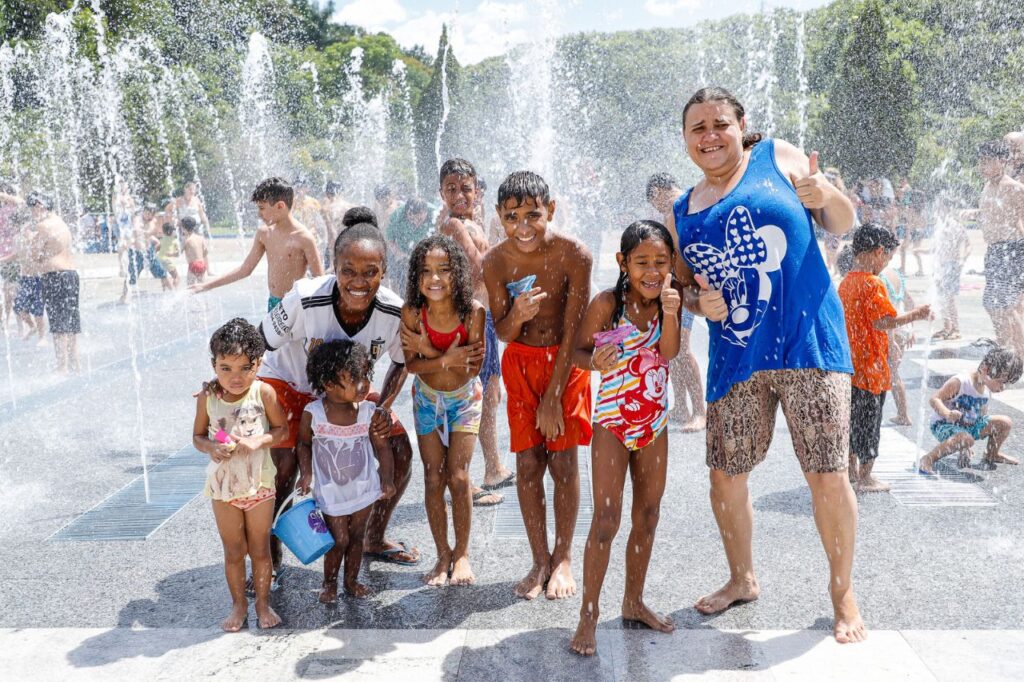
(484,28)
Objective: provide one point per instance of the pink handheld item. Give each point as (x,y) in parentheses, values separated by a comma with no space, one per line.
(613,336)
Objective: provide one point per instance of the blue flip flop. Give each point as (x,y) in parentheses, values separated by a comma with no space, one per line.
(928,474)
(388,555)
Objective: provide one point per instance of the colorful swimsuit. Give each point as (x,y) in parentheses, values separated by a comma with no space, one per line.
(446,411)
(632,401)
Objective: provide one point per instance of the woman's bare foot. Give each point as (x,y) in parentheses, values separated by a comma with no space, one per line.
(438,575)
(736,591)
(533,584)
(901,420)
(870,484)
(584,642)
(698,423)
(849,627)
(462,573)
(357,589)
(1000,458)
(561,584)
(329,592)
(640,613)
(236,619)
(266,617)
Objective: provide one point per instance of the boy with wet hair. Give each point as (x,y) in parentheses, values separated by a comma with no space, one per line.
(960,412)
(549,405)
(1000,215)
(459,191)
(290,248)
(869,315)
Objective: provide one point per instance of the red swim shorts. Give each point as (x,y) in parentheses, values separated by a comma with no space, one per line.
(526,371)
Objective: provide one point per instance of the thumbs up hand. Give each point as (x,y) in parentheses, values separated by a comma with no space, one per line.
(670,300)
(812,189)
(712,305)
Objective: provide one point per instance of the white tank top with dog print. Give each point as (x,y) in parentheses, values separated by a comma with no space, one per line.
(240,475)
(345,477)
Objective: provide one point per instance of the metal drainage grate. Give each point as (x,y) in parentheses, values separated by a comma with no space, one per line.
(126,515)
(897,465)
(508,520)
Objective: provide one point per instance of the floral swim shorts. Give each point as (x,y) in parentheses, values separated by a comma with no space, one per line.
(447,411)
(816,405)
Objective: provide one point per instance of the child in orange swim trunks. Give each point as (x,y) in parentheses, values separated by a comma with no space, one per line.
(548,397)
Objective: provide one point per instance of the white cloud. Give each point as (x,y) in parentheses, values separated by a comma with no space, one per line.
(488,30)
(371,14)
(668,8)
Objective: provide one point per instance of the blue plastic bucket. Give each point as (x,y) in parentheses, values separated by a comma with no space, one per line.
(303,530)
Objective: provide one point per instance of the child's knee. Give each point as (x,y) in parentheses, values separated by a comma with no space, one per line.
(646,518)
(235,551)
(606,524)
(1001,423)
(434,478)
(458,480)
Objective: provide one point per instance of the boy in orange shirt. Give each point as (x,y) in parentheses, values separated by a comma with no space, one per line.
(869,315)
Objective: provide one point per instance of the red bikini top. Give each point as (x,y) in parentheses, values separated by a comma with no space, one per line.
(442,341)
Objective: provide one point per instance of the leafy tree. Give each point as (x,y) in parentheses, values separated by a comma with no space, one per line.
(871,124)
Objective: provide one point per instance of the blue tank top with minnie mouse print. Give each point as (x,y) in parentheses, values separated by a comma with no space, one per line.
(757,246)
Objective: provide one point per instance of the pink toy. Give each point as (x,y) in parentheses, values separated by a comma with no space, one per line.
(613,336)
(222,436)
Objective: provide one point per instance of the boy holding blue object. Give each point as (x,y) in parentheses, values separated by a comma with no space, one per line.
(549,402)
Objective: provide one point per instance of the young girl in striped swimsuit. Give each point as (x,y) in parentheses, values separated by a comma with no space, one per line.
(629,335)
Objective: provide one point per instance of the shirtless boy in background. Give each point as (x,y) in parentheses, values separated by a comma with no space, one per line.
(291,248)
(549,403)
(1000,215)
(458,190)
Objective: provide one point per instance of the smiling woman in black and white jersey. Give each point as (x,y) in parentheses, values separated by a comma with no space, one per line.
(350,304)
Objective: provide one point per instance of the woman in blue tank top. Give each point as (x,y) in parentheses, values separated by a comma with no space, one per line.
(752,267)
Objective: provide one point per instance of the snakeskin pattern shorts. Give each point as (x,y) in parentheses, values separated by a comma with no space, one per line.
(816,405)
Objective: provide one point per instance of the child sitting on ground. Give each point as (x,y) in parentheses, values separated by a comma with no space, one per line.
(960,415)
(443,340)
(196,251)
(630,417)
(237,429)
(352,462)
(548,398)
(869,315)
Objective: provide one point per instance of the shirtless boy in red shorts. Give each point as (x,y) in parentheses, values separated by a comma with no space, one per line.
(549,401)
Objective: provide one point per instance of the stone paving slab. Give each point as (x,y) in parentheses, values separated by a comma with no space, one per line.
(507,654)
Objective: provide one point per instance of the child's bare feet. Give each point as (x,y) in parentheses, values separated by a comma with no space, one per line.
(584,642)
(236,619)
(848,627)
(357,589)
(533,584)
(698,423)
(329,592)
(641,613)
(561,584)
(438,575)
(1000,458)
(266,617)
(870,484)
(901,420)
(736,591)
(462,573)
